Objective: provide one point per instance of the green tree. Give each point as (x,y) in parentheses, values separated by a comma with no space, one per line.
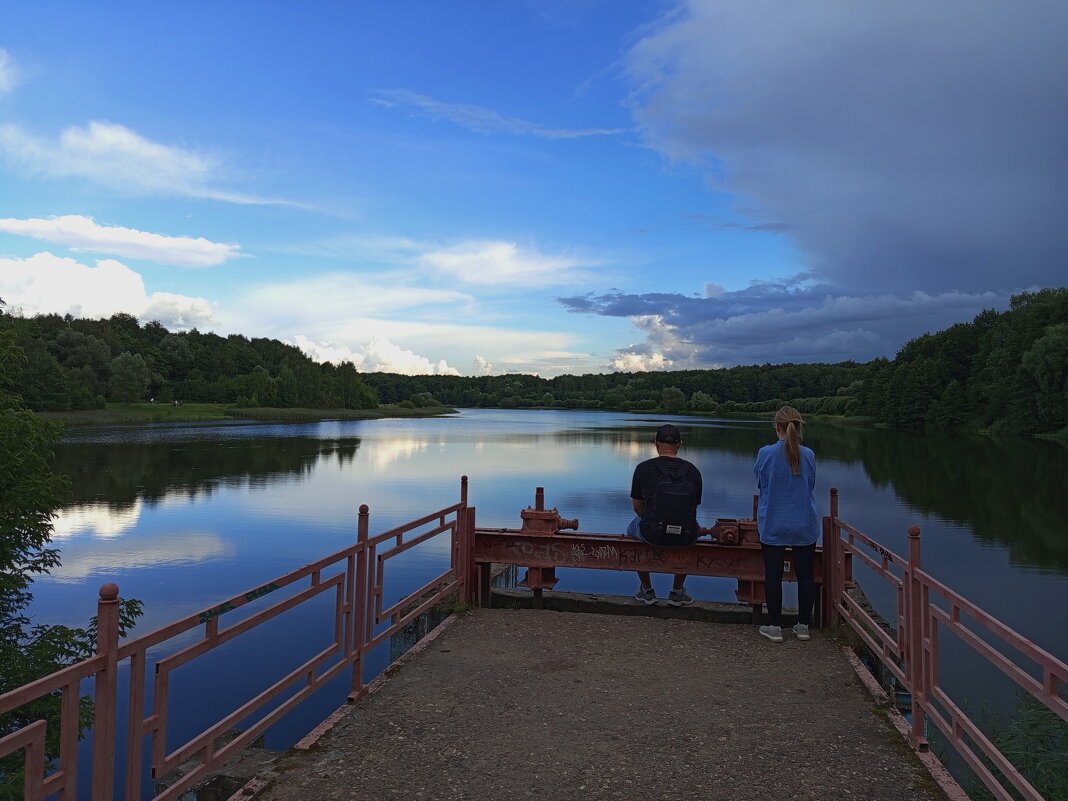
(287,386)
(673,399)
(177,355)
(1045,365)
(129,377)
(702,402)
(44,385)
(950,410)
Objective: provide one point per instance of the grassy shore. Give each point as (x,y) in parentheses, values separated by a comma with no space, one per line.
(139,413)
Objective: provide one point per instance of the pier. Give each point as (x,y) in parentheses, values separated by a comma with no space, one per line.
(648,703)
(539,704)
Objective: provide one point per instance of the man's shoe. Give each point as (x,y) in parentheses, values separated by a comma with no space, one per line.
(679,598)
(773,633)
(646,596)
(801,630)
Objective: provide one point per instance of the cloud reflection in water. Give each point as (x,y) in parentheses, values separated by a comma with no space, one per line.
(83,559)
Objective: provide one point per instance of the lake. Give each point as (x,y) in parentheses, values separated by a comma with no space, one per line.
(184,516)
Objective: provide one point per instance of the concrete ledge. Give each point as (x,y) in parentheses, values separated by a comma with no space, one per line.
(706,611)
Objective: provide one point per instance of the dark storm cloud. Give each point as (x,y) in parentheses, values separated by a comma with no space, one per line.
(918,150)
(781,322)
(913,145)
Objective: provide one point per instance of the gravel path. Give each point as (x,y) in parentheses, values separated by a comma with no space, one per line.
(523,704)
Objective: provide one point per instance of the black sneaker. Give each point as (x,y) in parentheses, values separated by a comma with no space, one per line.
(646,596)
(679,598)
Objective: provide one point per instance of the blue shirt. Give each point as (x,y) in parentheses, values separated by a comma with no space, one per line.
(786,513)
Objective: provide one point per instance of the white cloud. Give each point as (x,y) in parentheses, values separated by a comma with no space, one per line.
(377,356)
(479,118)
(496,262)
(120,159)
(483,367)
(82,233)
(49,284)
(323,300)
(82,559)
(631,362)
(9,73)
(178,311)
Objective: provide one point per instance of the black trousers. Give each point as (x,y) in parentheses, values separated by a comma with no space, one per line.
(804,561)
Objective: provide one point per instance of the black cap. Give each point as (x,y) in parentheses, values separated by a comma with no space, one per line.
(668,434)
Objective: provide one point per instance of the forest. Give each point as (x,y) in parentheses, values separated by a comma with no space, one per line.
(82,364)
(1005,371)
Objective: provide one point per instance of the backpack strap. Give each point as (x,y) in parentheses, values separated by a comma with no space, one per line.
(669,471)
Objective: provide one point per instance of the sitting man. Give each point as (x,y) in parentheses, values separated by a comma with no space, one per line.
(665,493)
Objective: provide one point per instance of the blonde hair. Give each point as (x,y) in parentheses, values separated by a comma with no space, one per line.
(789,420)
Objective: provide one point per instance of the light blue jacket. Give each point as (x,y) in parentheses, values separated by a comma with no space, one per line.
(786,513)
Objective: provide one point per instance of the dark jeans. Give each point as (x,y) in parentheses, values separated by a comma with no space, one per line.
(804,559)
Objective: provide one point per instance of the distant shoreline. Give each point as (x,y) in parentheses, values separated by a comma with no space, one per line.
(141,413)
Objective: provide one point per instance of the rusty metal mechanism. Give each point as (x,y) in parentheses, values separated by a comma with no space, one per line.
(734,531)
(541,522)
(537,520)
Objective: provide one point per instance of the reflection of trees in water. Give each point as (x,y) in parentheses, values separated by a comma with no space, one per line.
(120,473)
(1009,491)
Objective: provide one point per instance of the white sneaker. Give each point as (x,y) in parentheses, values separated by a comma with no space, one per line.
(801,630)
(773,633)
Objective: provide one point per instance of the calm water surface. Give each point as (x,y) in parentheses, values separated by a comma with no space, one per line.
(182,517)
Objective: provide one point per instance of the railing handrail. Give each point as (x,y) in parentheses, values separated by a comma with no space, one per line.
(353,575)
(358,589)
(917,623)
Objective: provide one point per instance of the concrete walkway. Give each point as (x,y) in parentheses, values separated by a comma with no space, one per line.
(524,704)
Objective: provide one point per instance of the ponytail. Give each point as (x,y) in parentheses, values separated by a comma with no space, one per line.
(789,420)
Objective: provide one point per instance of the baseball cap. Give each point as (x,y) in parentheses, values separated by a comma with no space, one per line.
(668,434)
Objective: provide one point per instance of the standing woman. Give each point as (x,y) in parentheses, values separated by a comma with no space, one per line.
(786,518)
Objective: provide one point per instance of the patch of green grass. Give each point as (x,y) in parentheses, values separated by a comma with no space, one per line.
(461,607)
(127,413)
(1057,436)
(267,413)
(140,413)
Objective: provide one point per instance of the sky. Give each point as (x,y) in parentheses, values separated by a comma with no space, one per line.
(483,187)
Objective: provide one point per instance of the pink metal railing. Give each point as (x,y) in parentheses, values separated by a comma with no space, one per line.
(354,577)
(912,656)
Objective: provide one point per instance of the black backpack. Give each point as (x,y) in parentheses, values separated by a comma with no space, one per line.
(670,515)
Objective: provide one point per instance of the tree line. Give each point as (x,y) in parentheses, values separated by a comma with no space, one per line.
(1007,371)
(1003,370)
(81,364)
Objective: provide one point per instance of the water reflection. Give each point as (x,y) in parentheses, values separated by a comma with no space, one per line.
(96,520)
(84,559)
(129,468)
(184,516)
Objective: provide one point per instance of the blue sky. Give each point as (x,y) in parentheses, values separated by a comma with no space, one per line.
(545,186)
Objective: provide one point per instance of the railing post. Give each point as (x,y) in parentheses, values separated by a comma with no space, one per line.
(359,612)
(914,616)
(471,568)
(832,547)
(465,562)
(107,646)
